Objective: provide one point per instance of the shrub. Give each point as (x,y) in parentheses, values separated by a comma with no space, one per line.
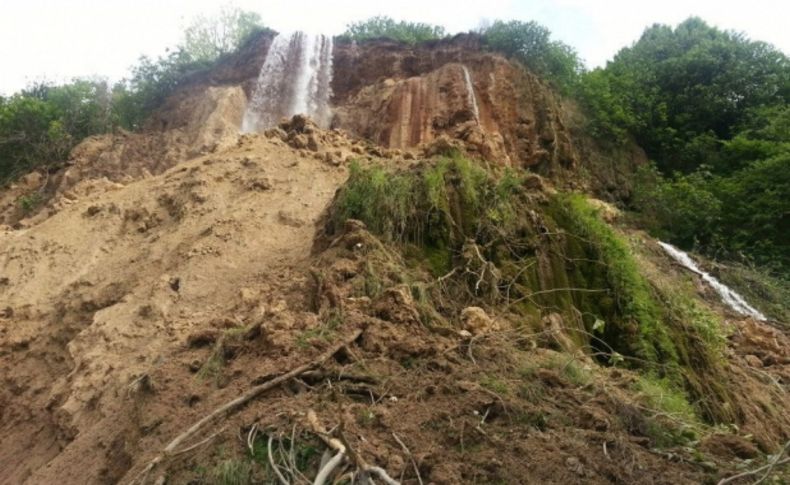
(531,43)
(385,27)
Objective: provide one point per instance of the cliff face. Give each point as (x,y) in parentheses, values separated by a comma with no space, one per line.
(402,97)
(173,268)
(423,99)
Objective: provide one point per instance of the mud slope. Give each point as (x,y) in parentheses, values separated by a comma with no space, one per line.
(104,289)
(169,271)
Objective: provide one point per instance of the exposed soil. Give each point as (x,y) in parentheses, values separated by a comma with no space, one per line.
(167,272)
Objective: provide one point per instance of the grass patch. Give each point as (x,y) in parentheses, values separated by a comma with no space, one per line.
(769,294)
(495,384)
(29,202)
(674,420)
(633,309)
(231,471)
(325,331)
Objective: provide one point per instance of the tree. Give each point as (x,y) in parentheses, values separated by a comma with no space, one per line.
(531,43)
(385,27)
(684,89)
(208,38)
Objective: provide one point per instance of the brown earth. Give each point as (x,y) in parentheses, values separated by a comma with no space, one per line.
(170,270)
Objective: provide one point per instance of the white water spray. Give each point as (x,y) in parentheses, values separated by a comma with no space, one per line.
(727,294)
(470,94)
(296,78)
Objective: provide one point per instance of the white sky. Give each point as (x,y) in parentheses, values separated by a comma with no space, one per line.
(61,39)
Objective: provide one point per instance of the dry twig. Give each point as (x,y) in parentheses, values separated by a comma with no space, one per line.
(767,468)
(231,406)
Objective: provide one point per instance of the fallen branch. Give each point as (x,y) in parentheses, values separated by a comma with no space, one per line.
(411,457)
(274,466)
(767,468)
(235,404)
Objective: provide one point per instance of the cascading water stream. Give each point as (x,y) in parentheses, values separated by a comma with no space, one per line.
(727,294)
(470,94)
(296,78)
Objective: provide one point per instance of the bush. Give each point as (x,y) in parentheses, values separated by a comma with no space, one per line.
(41,124)
(531,43)
(208,38)
(385,27)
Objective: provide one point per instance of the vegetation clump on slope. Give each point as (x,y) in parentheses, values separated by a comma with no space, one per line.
(493,242)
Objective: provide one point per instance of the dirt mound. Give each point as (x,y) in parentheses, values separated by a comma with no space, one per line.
(101,291)
(165,273)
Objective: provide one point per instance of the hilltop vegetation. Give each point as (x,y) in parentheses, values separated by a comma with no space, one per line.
(710,108)
(42,123)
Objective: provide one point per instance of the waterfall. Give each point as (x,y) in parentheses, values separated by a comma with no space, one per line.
(727,294)
(471,99)
(296,78)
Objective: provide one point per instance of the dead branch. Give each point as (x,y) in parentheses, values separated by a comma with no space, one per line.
(327,469)
(767,468)
(411,457)
(274,466)
(343,447)
(235,404)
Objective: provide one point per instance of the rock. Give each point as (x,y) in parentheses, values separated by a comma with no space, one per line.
(396,305)
(575,465)
(753,360)
(248,296)
(298,141)
(312,142)
(476,321)
(441,146)
(533,181)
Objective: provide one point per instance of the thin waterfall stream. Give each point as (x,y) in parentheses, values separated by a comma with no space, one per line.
(729,296)
(296,78)
(470,94)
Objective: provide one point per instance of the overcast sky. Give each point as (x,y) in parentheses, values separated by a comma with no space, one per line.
(60,39)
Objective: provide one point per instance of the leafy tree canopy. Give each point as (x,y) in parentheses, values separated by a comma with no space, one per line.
(531,43)
(385,27)
(710,107)
(41,124)
(208,38)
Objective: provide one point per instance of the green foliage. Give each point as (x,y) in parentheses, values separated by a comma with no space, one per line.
(531,43)
(743,214)
(679,91)
(208,38)
(681,209)
(635,310)
(41,124)
(385,27)
(416,207)
(674,420)
(29,202)
(710,107)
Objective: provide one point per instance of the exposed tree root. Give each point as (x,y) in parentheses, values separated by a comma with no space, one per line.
(342,447)
(231,406)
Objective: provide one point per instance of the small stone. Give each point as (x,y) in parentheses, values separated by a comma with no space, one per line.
(753,360)
(476,321)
